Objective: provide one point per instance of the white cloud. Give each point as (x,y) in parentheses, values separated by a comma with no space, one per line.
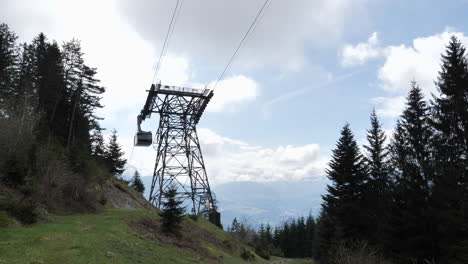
(231,92)
(389,106)
(230,160)
(419,62)
(362,52)
(125,60)
(208,31)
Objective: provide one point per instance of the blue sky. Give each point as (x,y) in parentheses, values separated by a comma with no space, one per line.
(307,68)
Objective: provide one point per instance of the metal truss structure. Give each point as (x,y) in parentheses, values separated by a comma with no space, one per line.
(179,159)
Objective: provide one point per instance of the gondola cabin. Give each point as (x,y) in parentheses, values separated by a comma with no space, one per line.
(143,139)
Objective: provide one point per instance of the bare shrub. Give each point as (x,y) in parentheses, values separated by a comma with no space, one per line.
(356,252)
(16,138)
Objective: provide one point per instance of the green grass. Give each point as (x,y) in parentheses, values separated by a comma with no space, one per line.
(5,220)
(85,239)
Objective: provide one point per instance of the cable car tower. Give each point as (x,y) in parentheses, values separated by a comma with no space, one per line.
(179,158)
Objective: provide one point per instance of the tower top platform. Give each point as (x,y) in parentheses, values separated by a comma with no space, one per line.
(174,100)
(183,91)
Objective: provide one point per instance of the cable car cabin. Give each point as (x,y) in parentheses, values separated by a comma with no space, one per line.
(143,139)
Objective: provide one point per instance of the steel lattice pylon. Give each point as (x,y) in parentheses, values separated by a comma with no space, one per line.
(179,159)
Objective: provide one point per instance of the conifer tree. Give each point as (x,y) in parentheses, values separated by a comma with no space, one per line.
(8,65)
(98,146)
(172,212)
(137,183)
(84,92)
(235,227)
(377,191)
(344,202)
(324,238)
(114,155)
(309,237)
(450,121)
(410,154)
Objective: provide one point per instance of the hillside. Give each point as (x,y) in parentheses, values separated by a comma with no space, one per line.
(127,231)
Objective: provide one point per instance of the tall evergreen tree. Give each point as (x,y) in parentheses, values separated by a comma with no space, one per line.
(344,202)
(137,183)
(98,146)
(410,153)
(172,212)
(235,228)
(324,236)
(450,121)
(377,191)
(309,237)
(84,90)
(114,155)
(8,65)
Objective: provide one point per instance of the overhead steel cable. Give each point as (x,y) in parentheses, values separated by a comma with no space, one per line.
(175,15)
(166,40)
(241,43)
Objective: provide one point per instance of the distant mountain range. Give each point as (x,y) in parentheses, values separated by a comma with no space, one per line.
(269,202)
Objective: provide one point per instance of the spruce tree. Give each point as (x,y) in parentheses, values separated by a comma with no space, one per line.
(84,92)
(235,228)
(114,155)
(450,122)
(410,234)
(310,236)
(172,212)
(344,202)
(8,65)
(324,238)
(137,183)
(377,191)
(98,146)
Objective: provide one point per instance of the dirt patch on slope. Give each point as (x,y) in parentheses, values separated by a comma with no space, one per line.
(190,239)
(120,196)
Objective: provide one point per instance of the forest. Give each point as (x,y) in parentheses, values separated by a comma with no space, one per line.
(399,199)
(52,145)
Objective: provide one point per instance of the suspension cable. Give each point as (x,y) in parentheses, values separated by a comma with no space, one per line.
(166,40)
(241,43)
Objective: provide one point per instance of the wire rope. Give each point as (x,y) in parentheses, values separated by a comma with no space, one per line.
(241,43)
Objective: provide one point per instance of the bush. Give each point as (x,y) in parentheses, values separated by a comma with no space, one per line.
(5,219)
(194,217)
(103,199)
(356,252)
(247,255)
(25,213)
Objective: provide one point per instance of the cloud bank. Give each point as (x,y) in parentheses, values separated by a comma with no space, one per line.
(402,64)
(231,160)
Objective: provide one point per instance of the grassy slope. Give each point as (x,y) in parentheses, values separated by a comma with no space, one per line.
(87,238)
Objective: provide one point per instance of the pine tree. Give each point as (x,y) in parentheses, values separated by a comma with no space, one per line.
(98,146)
(450,121)
(235,228)
(137,183)
(114,155)
(24,95)
(411,159)
(310,236)
(324,238)
(377,191)
(172,212)
(8,65)
(84,92)
(344,203)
